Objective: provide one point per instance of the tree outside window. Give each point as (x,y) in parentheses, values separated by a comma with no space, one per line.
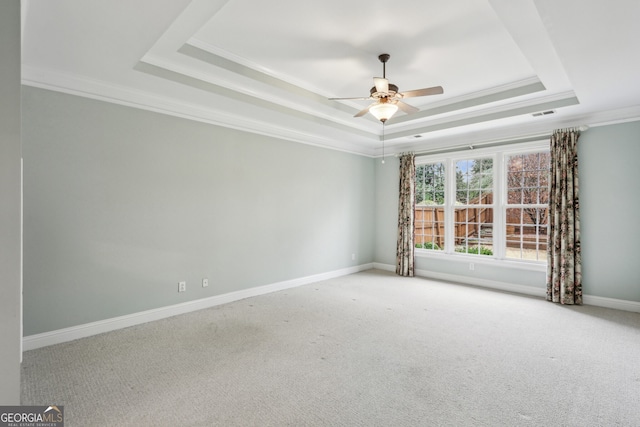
(527,211)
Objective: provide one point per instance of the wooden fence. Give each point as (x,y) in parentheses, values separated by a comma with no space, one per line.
(429,223)
(469,222)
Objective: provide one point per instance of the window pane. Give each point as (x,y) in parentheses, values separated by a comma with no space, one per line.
(486,181)
(514,163)
(530,179)
(429,228)
(529,196)
(430,184)
(526,233)
(514,179)
(474,230)
(514,196)
(544,195)
(543,178)
(474,181)
(545,160)
(429,212)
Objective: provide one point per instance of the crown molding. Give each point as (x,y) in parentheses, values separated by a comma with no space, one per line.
(107,92)
(369,145)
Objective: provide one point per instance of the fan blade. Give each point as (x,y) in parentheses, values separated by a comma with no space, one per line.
(381,84)
(407,108)
(436,90)
(350,99)
(363,112)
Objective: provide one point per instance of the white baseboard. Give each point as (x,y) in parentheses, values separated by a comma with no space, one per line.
(32,342)
(483,283)
(385,267)
(617,304)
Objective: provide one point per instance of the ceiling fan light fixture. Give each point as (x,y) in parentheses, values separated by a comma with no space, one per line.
(383,110)
(388,99)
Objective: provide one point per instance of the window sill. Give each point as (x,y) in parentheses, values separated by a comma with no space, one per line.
(483,259)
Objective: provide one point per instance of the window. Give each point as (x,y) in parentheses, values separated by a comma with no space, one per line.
(491,205)
(429,213)
(527,211)
(473,210)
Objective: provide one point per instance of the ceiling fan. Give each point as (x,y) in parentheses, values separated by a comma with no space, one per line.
(387,97)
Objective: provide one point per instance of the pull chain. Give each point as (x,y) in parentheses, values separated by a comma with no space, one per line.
(383,143)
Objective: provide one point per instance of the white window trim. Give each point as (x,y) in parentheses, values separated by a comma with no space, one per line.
(499,154)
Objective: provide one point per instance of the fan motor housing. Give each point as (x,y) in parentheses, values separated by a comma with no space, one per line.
(392,88)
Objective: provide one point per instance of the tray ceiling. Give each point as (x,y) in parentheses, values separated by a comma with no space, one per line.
(269,67)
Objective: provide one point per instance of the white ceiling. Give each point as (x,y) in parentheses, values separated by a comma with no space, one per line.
(269,67)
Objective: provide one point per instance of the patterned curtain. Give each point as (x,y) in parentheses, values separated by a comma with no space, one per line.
(564,264)
(406,206)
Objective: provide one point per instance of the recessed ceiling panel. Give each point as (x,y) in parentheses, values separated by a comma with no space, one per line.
(331,47)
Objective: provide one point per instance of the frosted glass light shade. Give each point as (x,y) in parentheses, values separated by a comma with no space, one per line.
(383,111)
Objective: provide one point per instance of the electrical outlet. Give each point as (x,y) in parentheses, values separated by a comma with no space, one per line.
(205,283)
(182,286)
(471,266)
(353,257)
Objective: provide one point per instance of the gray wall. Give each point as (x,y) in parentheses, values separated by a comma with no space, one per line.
(609,209)
(10,202)
(609,200)
(387,193)
(121,204)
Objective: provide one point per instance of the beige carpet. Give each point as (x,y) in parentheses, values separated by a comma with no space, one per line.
(370,349)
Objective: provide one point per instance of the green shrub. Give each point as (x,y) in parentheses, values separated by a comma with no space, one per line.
(427,245)
(475,250)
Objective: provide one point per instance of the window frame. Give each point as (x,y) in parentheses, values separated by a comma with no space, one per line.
(436,206)
(453,201)
(507,205)
(499,154)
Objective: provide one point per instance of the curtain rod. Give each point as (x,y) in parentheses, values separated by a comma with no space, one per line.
(489,144)
(480,145)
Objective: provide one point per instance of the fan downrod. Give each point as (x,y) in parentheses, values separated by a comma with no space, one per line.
(384,58)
